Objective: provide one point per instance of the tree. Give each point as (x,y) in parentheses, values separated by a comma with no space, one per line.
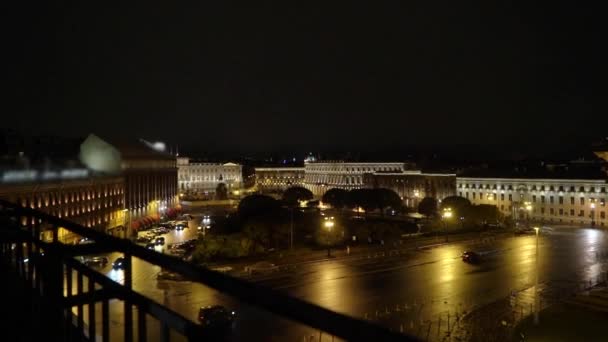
(364,198)
(428,206)
(485,214)
(387,198)
(336,197)
(221,191)
(294,195)
(459,205)
(258,206)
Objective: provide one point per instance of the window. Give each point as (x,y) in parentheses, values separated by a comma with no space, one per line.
(572,212)
(561,188)
(460,193)
(542,188)
(551,199)
(551,188)
(551,211)
(581,189)
(502,197)
(561,212)
(581,213)
(582,200)
(542,199)
(561,199)
(474,194)
(592,189)
(602,215)
(603,189)
(510,197)
(542,210)
(572,189)
(572,200)
(534,198)
(466,194)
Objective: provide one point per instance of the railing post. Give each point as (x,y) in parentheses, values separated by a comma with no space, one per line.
(54,313)
(128,307)
(92,323)
(105,320)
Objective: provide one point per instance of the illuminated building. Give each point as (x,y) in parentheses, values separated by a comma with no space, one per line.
(150,176)
(413,185)
(567,201)
(322,176)
(278,179)
(204,177)
(74,194)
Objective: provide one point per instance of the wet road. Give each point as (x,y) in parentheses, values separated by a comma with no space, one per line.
(399,291)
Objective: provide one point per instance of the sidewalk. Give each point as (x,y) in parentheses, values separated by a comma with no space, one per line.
(307,255)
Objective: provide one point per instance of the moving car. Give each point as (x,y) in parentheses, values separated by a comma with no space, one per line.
(119,263)
(216,319)
(95,261)
(471,257)
(150,245)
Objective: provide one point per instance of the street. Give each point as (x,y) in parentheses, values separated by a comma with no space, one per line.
(416,292)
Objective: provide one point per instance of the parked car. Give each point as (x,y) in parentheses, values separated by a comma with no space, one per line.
(143,239)
(159,241)
(150,245)
(95,261)
(471,257)
(119,263)
(216,319)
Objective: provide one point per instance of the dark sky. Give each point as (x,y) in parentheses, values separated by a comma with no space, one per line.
(272,77)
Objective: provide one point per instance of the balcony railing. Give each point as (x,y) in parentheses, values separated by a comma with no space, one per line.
(66,294)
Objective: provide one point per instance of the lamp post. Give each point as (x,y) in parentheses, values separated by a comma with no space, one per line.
(447,214)
(592,213)
(329,225)
(536,299)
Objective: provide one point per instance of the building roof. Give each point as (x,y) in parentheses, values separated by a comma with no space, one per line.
(135,149)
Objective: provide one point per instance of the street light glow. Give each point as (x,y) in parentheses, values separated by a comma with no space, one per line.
(447,212)
(329,223)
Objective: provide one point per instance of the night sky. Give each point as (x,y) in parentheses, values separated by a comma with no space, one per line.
(334,76)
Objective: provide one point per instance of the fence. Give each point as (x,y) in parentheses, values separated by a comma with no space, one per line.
(64,291)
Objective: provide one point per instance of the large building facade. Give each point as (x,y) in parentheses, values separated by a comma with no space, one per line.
(412,186)
(205,177)
(278,179)
(150,177)
(322,176)
(74,194)
(566,201)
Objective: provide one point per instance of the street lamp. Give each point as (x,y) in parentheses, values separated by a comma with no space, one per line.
(592,213)
(447,214)
(536,299)
(329,225)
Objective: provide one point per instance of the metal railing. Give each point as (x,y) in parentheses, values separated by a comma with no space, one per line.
(48,266)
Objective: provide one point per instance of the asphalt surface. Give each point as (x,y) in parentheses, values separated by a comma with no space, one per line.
(413,292)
